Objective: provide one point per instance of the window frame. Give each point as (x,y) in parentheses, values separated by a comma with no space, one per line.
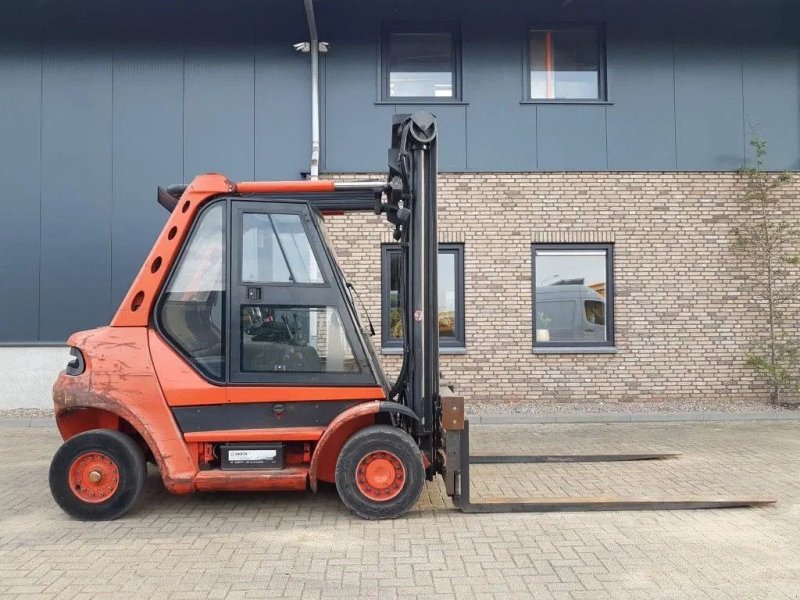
(387,29)
(459,341)
(602,57)
(610,293)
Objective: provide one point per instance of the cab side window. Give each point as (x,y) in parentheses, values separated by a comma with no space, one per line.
(191,313)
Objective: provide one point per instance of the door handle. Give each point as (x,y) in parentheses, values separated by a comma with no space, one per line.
(254,293)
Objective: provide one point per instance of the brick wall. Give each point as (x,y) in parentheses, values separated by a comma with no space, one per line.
(683,312)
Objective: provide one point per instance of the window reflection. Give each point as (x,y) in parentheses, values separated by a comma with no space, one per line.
(565,64)
(571,295)
(450,295)
(420,65)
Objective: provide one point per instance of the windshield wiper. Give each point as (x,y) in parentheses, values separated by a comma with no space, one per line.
(363,308)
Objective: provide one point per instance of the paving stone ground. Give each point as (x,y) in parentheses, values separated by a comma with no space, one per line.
(308,546)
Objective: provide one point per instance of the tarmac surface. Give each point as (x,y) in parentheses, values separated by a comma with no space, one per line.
(302,545)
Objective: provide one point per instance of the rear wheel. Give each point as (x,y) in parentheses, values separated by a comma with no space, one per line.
(379,474)
(97,475)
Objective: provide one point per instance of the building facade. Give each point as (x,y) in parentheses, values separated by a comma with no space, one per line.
(588,150)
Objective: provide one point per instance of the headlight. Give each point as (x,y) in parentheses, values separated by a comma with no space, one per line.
(77,365)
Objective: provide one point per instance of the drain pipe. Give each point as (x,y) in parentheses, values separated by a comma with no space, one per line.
(314,50)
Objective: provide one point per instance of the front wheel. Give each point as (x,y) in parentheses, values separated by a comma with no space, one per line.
(379,474)
(97,475)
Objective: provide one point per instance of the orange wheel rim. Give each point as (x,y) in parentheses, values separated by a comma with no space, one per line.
(380,476)
(93,477)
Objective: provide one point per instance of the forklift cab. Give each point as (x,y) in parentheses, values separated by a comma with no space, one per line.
(255,298)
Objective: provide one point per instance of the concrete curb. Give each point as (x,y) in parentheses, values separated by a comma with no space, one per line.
(666,417)
(522,419)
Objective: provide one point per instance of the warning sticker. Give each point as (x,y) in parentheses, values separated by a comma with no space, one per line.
(418,315)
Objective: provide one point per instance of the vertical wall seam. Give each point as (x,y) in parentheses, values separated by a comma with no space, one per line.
(744,111)
(41,187)
(183,111)
(605,123)
(674,99)
(466,138)
(536,135)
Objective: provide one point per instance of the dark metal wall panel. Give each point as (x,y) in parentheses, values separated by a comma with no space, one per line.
(76,189)
(219,82)
(709,111)
(282,94)
(771,78)
(771,83)
(641,118)
(571,138)
(147,151)
(20,110)
(356,133)
(493,72)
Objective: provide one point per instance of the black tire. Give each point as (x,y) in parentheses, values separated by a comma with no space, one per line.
(131,469)
(380,438)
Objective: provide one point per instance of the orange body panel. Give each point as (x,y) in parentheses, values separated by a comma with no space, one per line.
(323,462)
(288,479)
(286,187)
(72,422)
(181,384)
(119,379)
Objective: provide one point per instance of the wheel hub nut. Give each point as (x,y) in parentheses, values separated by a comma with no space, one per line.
(95,476)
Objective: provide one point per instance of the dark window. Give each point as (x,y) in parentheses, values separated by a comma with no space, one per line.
(191,313)
(295,339)
(573,295)
(421,63)
(566,64)
(450,290)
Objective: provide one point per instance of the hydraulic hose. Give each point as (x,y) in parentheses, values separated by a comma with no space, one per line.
(398,389)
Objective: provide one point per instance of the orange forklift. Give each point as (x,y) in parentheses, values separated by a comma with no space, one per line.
(238,362)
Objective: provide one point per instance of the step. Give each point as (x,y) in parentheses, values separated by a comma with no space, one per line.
(252,480)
